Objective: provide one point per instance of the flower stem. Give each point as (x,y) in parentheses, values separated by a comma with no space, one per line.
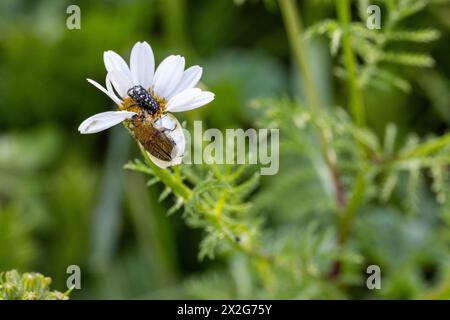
(177,186)
(183,191)
(356,98)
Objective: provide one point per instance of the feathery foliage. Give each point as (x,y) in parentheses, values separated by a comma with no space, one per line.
(364,167)
(353,170)
(376,48)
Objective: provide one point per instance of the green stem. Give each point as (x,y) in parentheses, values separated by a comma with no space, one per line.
(358,114)
(346,218)
(356,98)
(357,198)
(426,148)
(293,25)
(181,190)
(177,186)
(294,29)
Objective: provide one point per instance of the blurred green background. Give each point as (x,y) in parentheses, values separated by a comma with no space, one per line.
(65,198)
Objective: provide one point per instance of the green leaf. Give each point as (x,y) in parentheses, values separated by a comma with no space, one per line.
(426,35)
(409,59)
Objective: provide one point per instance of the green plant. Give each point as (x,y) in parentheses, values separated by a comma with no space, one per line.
(376,48)
(28,286)
(363,176)
(353,171)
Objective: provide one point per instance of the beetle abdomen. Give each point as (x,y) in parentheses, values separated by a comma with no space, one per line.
(156,142)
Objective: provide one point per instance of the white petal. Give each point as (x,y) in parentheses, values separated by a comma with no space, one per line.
(168,75)
(190,78)
(98,86)
(184,97)
(120,82)
(189,99)
(105,91)
(115,62)
(142,64)
(112,94)
(175,132)
(165,164)
(103,121)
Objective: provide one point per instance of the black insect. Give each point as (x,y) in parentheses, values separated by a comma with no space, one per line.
(143,99)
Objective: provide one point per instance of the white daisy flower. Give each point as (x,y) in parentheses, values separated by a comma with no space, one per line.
(170,89)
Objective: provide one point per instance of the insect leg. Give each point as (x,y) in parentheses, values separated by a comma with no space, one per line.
(161,128)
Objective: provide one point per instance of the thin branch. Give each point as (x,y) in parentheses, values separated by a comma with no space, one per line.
(294,29)
(356,98)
